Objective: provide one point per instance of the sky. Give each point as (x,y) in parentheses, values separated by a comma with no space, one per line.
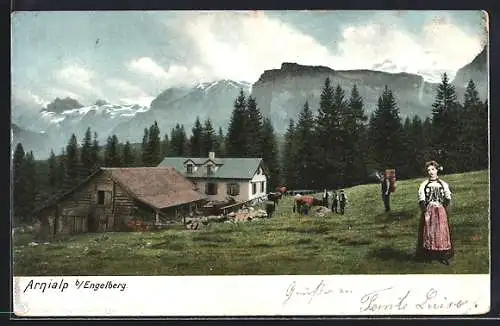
(130,57)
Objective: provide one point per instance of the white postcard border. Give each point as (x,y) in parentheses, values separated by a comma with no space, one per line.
(158,296)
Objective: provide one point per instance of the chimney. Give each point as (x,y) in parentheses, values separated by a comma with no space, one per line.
(211,155)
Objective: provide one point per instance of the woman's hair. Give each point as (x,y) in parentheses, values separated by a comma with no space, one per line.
(434,164)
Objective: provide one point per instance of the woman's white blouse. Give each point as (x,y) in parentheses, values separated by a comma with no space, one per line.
(434,191)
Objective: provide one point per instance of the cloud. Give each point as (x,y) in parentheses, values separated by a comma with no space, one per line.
(77,76)
(243,45)
(175,74)
(123,87)
(441,47)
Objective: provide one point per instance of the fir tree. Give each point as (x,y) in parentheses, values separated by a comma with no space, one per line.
(445,125)
(328,158)
(289,162)
(209,140)
(72,163)
(86,154)
(30,194)
(219,144)
(305,143)
(112,155)
(236,141)
(145,149)
(386,132)
(154,145)
(253,129)
(53,173)
(196,139)
(128,155)
(19,181)
(270,153)
(355,148)
(165,146)
(94,154)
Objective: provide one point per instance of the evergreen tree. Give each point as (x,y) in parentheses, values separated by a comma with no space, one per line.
(482,135)
(112,155)
(154,145)
(61,169)
(178,141)
(219,144)
(270,153)
(30,193)
(236,141)
(328,159)
(386,132)
(209,140)
(183,142)
(473,126)
(72,163)
(165,146)
(445,125)
(86,154)
(253,129)
(145,149)
(355,148)
(289,163)
(305,143)
(94,154)
(53,173)
(196,140)
(128,155)
(19,181)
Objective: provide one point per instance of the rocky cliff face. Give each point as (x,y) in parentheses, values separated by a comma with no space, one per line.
(477,70)
(281,93)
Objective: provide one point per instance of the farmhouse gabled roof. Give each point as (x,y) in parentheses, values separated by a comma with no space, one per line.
(228,168)
(157,187)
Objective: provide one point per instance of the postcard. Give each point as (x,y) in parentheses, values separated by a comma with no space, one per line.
(250,163)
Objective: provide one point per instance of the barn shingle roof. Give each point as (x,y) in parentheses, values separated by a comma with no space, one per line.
(157,187)
(160,187)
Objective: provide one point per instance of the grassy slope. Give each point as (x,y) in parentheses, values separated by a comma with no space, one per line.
(377,243)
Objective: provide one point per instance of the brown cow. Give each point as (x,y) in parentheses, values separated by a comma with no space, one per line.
(282,190)
(303,203)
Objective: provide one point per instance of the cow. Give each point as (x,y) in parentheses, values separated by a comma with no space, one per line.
(303,203)
(282,189)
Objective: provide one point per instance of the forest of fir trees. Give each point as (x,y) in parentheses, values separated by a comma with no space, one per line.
(338,146)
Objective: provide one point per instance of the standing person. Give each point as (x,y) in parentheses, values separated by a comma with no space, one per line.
(434,238)
(335,201)
(325,198)
(270,208)
(386,190)
(342,201)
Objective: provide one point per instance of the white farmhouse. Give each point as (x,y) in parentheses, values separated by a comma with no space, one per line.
(243,179)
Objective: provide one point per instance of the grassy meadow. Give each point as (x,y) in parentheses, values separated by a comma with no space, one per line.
(365,240)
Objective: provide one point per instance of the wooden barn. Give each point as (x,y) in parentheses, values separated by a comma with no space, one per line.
(111,197)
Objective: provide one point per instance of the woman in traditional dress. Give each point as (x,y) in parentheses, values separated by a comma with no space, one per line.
(434,239)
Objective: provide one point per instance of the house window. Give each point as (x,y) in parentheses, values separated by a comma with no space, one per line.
(254,188)
(262,188)
(209,169)
(190,168)
(211,188)
(103,197)
(233,189)
(100,197)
